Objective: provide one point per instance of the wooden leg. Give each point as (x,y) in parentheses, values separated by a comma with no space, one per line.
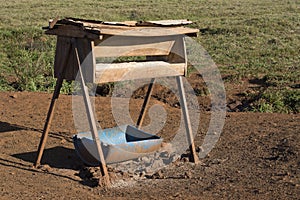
(145,104)
(194,157)
(104,181)
(48,122)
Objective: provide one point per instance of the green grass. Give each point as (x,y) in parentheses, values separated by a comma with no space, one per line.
(247,39)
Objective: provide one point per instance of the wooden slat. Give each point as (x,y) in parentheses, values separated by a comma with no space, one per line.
(133,46)
(93,31)
(73,27)
(62,58)
(113,72)
(145,31)
(65,54)
(53,22)
(125,23)
(165,23)
(82,22)
(178,52)
(108,51)
(78,20)
(73,31)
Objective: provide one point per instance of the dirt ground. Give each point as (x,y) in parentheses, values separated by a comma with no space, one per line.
(256,157)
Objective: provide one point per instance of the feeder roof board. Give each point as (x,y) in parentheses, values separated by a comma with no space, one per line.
(93,29)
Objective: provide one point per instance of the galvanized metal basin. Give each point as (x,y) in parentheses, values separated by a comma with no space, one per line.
(117,145)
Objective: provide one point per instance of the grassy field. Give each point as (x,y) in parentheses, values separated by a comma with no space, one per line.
(249,40)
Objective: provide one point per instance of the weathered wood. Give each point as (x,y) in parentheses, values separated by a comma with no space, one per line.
(65,53)
(73,31)
(80,22)
(145,104)
(178,22)
(144,31)
(172,47)
(177,54)
(91,120)
(112,72)
(93,29)
(185,56)
(53,22)
(61,69)
(48,122)
(133,46)
(162,42)
(124,23)
(76,20)
(186,117)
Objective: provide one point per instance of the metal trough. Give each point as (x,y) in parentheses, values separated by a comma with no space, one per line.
(117,145)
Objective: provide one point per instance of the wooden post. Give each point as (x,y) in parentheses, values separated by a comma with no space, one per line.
(60,77)
(145,104)
(104,181)
(48,122)
(193,157)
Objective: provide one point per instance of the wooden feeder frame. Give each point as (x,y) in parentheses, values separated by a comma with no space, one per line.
(162,42)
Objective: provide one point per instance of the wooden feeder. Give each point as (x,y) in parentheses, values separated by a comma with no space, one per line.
(80,42)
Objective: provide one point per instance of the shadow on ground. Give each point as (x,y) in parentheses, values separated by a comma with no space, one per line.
(6,127)
(56,157)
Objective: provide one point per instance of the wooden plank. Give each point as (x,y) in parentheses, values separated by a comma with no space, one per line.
(88,65)
(73,31)
(65,54)
(88,22)
(79,21)
(179,22)
(178,54)
(74,27)
(125,23)
(71,21)
(145,31)
(62,59)
(133,46)
(93,31)
(85,22)
(124,40)
(53,22)
(113,72)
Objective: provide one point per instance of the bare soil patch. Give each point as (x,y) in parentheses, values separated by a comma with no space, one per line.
(257,156)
